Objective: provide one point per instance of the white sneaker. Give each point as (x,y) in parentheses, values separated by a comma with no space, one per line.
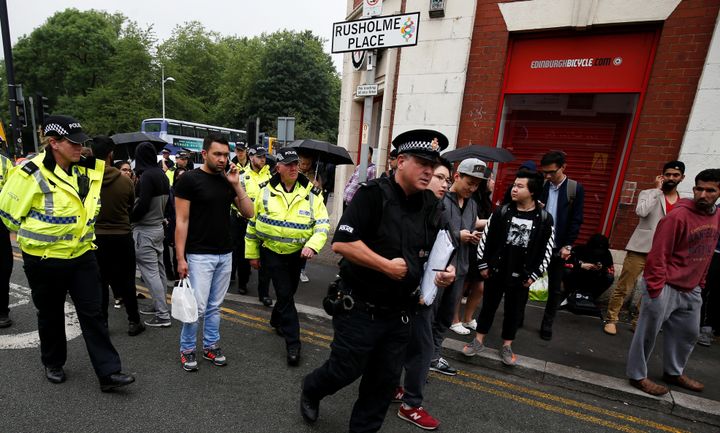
(303,277)
(471,324)
(458,328)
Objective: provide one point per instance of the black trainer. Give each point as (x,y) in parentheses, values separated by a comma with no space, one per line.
(309,408)
(157,322)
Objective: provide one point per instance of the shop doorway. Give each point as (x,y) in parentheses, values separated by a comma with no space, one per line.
(592,129)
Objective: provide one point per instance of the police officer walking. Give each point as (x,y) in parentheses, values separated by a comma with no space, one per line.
(384,236)
(290,225)
(52,203)
(6,257)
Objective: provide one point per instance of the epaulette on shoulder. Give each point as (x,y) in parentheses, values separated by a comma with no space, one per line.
(315,190)
(30,167)
(262,184)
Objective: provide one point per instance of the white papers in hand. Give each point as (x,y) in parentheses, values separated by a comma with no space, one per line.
(439,259)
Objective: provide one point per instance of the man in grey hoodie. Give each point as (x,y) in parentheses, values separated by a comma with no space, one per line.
(148,216)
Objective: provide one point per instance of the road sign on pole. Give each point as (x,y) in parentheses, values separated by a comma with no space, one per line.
(372,8)
(367,90)
(386,31)
(286,129)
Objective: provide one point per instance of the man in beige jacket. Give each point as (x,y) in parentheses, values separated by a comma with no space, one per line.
(653,204)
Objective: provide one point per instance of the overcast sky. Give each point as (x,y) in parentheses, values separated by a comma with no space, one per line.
(227,17)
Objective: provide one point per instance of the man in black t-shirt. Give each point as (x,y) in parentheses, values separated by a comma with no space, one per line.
(202,205)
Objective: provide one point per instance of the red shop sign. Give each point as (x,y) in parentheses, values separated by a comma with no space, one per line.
(600,63)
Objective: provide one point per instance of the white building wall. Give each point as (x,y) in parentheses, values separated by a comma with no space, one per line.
(701,143)
(430,84)
(432,74)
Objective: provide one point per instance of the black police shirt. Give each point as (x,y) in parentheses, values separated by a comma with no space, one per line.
(210,197)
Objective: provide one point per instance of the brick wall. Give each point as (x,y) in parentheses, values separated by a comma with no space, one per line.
(679,61)
(681,52)
(483,85)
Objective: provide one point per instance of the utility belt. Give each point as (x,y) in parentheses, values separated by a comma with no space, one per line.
(339,300)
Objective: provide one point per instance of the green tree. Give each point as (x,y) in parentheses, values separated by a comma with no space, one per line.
(297,79)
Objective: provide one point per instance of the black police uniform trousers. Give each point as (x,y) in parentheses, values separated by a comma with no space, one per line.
(369,345)
(50,280)
(6,266)
(284,270)
(240,265)
(116,259)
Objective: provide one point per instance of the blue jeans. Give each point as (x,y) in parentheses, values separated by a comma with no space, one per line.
(209,276)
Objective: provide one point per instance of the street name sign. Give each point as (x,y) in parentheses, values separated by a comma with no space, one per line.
(381,32)
(367,90)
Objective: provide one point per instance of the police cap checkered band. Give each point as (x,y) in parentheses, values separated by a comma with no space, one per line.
(241,145)
(286,155)
(64,126)
(425,143)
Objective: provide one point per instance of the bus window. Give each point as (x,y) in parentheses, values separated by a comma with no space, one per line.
(188,131)
(234,137)
(174,129)
(152,126)
(226,135)
(201,132)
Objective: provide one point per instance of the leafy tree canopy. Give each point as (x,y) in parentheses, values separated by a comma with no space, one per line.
(105,70)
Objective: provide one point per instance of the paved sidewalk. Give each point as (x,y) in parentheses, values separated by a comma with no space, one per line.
(580,356)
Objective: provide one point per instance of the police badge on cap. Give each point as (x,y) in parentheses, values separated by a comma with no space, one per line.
(65,126)
(257,151)
(286,155)
(424,143)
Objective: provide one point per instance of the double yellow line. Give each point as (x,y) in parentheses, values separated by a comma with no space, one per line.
(488,385)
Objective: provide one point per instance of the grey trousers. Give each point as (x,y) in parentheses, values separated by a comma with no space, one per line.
(418,355)
(678,314)
(149,259)
(429,326)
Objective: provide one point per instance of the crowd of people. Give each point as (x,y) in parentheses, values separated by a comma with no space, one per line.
(86,219)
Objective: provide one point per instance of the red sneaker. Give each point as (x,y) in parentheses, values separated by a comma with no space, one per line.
(398,396)
(419,417)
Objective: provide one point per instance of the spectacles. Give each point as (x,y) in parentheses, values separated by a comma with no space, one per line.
(442,178)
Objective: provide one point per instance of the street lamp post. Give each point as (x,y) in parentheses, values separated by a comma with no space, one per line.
(162,85)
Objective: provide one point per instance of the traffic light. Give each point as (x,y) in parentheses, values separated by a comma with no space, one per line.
(42,109)
(251,133)
(20,106)
(20,111)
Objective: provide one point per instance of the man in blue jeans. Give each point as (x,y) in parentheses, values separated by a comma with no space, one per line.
(202,203)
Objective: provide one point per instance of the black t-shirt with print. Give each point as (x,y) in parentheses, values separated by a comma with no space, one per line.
(210,197)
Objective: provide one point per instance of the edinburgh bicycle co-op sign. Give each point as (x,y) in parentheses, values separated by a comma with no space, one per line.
(373,33)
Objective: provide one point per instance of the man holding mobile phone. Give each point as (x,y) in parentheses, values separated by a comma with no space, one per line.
(653,204)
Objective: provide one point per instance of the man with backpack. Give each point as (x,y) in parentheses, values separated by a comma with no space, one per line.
(563,199)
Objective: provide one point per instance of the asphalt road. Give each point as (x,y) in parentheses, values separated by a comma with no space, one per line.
(257,392)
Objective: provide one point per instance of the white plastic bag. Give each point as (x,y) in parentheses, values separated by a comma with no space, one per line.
(184,305)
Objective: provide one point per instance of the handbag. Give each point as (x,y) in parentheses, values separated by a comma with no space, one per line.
(184,304)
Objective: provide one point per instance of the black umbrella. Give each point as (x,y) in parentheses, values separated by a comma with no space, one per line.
(485,153)
(126,143)
(325,152)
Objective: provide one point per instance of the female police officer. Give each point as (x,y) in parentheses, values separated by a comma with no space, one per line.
(384,236)
(52,201)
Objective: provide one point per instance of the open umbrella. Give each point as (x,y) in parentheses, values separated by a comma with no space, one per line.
(125,143)
(485,153)
(174,150)
(324,151)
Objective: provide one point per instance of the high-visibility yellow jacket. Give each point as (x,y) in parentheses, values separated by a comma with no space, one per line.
(5,166)
(170,173)
(43,204)
(251,180)
(285,222)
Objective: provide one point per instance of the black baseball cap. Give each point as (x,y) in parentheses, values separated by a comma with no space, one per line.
(257,151)
(425,143)
(182,155)
(677,165)
(286,155)
(64,127)
(240,145)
